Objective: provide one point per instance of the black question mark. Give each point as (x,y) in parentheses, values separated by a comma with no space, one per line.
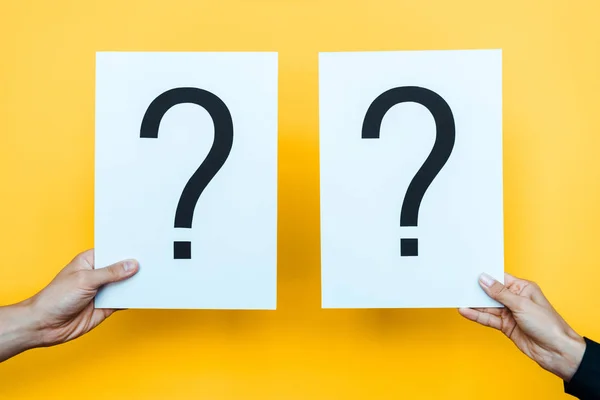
(444,142)
(212,163)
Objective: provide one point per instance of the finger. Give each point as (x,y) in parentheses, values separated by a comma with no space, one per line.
(114,273)
(482,318)
(516,285)
(82,261)
(100,314)
(491,310)
(525,288)
(535,293)
(88,258)
(499,292)
(509,279)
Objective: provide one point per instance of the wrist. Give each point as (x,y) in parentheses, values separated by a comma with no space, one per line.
(19,329)
(569,354)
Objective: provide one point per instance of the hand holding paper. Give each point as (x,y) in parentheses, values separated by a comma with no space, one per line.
(530,321)
(63,310)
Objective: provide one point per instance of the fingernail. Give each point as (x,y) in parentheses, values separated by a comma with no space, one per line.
(486,280)
(128,266)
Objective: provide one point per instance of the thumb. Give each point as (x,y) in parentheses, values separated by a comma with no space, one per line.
(499,292)
(113,273)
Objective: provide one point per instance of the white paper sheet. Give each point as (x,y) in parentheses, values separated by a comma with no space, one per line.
(140,180)
(364,181)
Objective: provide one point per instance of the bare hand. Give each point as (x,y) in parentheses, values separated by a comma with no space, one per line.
(64,309)
(530,321)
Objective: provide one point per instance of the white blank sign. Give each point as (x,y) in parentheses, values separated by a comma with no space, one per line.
(382,114)
(186,178)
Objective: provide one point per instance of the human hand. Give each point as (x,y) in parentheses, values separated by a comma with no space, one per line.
(64,310)
(530,321)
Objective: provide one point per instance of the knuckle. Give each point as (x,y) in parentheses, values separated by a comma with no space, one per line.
(79,258)
(502,292)
(498,290)
(79,262)
(114,271)
(81,279)
(515,290)
(86,258)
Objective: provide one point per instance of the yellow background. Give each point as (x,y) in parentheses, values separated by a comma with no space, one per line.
(551,53)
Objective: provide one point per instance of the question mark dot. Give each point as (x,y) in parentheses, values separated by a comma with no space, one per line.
(182,250)
(409,247)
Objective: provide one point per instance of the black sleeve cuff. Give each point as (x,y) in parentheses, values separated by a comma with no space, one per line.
(585,384)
